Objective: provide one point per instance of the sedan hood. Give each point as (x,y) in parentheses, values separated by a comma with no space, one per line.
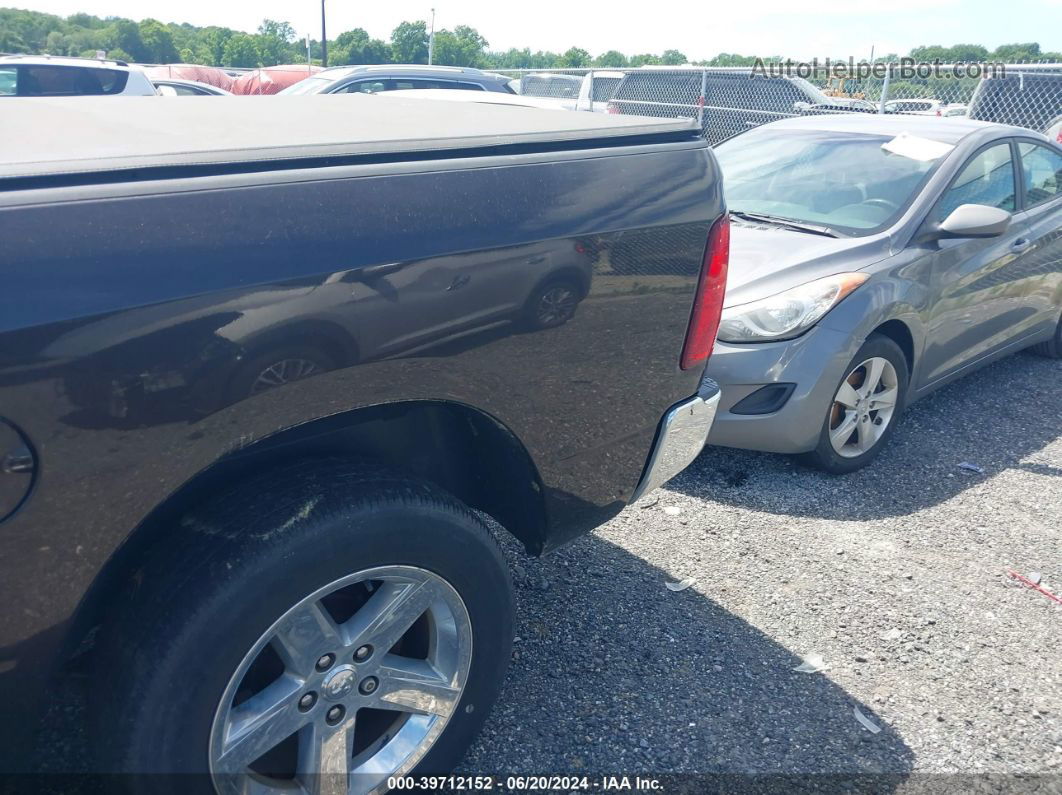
(765,259)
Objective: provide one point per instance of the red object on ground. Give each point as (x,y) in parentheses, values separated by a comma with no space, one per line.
(1030,584)
(210,75)
(271,79)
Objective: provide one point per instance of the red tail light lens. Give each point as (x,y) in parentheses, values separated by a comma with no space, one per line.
(708,303)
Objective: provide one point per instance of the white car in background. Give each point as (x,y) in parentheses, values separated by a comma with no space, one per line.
(922,107)
(589,92)
(176,87)
(925,107)
(54,76)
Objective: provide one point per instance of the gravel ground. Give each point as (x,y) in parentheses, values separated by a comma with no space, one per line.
(895,576)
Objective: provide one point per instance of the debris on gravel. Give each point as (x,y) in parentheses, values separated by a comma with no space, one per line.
(927,636)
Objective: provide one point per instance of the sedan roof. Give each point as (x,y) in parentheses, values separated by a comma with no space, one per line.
(946,130)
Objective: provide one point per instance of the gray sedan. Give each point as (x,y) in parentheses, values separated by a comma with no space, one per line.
(873,260)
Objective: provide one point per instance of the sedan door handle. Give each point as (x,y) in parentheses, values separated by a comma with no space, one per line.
(1020,245)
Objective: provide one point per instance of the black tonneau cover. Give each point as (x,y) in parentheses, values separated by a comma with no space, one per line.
(95,135)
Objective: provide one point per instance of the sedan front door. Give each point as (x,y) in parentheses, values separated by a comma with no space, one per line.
(1040,266)
(973,311)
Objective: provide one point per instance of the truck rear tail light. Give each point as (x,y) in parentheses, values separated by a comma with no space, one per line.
(708,303)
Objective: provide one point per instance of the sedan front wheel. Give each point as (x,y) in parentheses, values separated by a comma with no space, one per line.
(865,408)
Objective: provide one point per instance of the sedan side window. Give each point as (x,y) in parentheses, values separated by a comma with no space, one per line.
(1041,173)
(987,179)
(364,87)
(400,85)
(8,81)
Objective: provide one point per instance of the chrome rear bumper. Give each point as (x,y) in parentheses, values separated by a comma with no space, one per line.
(683,432)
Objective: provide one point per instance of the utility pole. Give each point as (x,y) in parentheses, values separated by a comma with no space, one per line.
(324,37)
(431,39)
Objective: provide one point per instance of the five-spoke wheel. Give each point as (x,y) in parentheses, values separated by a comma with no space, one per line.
(865,408)
(350,686)
(317,629)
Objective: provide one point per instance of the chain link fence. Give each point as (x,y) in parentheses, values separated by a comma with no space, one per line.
(729,100)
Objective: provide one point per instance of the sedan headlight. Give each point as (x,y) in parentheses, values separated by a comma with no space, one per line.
(787,314)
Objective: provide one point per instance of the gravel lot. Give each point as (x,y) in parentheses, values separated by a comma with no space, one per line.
(896,576)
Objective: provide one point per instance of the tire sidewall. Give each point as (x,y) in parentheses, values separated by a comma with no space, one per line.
(220,619)
(824,456)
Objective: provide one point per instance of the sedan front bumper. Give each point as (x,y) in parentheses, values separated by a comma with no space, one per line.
(813,363)
(683,432)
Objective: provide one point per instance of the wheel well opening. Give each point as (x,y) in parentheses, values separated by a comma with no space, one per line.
(567,274)
(333,342)
(458,448)
(897,331)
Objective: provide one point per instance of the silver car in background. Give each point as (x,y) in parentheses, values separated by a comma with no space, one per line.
(874,259)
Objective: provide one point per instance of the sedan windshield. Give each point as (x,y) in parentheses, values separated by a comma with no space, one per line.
(841,181)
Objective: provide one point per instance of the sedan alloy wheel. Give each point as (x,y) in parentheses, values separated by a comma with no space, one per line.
(351,686)
(863,407)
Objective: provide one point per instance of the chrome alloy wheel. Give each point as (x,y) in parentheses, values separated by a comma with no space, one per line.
(352,685)
(556,305)
(283,372)
(863,407)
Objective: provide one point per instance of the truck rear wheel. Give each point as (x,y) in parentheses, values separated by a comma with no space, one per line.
(317,630)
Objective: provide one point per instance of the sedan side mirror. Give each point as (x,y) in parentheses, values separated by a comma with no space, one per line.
(974,220)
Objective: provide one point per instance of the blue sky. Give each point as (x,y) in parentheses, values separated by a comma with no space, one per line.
(699,28)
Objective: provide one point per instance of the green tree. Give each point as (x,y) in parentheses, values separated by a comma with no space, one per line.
(409,42)
(240,51)
(574,58)
(612,58)
(125,36)
(645,59)
(11,41)
(214,40)
(1017,53)
(274,42)
(463,47)
(357,47)
(56,44)
(673,58)
(157,41)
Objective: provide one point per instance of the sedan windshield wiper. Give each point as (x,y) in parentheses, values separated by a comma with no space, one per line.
(786,223)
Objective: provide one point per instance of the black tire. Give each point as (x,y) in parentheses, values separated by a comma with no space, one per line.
(824,457)
(537,316)
(1052,348)
(238,563)
(248,378)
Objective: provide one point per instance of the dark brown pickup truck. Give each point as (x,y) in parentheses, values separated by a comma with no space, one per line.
(266,368)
